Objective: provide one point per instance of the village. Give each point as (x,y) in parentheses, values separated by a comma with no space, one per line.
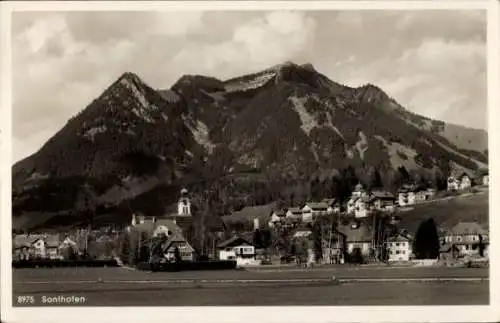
(365,229)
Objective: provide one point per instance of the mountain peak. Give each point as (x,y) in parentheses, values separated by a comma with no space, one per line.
(129,76)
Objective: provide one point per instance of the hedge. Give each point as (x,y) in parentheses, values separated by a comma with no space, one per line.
(202,265)
(63,263)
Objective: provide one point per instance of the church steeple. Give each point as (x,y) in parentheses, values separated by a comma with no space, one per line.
(184,204)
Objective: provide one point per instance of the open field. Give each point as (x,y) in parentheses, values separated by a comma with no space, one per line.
(355,286)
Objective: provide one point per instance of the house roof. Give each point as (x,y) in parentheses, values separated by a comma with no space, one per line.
(382,195)
(262,212)
(52,240)
(459,173)
(23,240)
(317,205)
(405,188)
(353,199)
(234,241)
(175,238)
(468,228)
(360,234)
(150,226)
(399,238)
(367,199)
(295,210)
(302,233)
(331,201)
(280,213)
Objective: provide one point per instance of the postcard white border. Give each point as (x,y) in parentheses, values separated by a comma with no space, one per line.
(9,314)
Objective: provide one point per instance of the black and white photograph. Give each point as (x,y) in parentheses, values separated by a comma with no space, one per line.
(249,157)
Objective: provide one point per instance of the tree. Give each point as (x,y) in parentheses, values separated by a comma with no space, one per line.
(257,238)
(375,180)
(315,192)
(348,181)
(426,244)
(481,246)
(335,186)
(266,238)
(317,237)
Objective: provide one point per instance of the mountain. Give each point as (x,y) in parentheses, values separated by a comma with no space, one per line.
(256,134)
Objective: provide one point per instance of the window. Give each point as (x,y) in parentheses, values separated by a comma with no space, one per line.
(474,247)
(403,252)
(397,244)
(398,252)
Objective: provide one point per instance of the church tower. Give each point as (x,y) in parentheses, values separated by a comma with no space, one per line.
(184,204)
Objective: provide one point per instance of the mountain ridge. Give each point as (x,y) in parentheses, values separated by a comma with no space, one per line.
(287,123)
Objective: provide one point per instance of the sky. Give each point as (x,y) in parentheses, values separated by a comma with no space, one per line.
(432,62)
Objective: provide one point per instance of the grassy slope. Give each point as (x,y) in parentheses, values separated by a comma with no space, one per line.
(447,213)
(466,138)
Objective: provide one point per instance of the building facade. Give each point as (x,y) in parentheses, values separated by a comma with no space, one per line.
(399,248)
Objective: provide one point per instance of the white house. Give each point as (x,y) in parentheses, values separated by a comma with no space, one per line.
(458,183)
(469,238)
(239,249)
(399,248)
(294,213)
(485,179)
(363,207)
(407,195)
(334,205)
(383,201)
(312,209)
(277,217)
(351,204)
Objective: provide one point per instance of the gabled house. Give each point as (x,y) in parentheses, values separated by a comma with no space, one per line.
(334,205)
(277,217)
(239,249)
(314,209)
(44,246)
(157,227)
(294,213)
(52,246)
(470,238)
(363,206)
(407,195)
(383,201)
(459,181)
(399,248)
(177,243)
(357,236)
(22,246)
